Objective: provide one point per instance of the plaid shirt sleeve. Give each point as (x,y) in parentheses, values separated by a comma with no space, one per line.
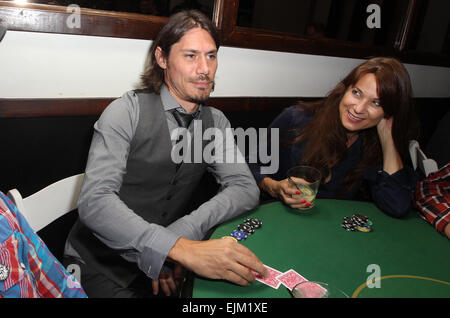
(27,268)
(432,198)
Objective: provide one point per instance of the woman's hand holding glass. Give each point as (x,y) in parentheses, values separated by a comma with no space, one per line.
(285,191)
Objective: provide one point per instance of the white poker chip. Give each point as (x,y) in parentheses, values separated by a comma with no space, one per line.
(4,272)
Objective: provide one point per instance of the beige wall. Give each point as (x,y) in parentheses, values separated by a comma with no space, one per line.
(43,65)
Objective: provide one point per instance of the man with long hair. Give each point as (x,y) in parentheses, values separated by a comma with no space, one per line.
(136,232)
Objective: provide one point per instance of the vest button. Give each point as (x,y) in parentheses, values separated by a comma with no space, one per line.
(164,214)
(169,197)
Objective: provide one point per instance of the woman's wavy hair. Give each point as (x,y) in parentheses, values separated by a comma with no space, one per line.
(326,137)
(176,27)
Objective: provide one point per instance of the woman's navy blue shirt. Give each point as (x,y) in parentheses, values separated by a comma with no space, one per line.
(391,193)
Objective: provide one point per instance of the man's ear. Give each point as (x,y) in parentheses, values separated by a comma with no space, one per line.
(160,58)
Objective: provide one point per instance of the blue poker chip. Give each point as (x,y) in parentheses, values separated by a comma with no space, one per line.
(239,235)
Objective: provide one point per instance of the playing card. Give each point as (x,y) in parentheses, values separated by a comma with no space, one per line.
(272,280)
(291,278)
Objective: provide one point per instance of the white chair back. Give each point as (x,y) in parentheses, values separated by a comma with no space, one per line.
(419,159)
(50,203)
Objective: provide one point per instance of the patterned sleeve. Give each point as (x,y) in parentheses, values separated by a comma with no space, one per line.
(432,198)
(27,267)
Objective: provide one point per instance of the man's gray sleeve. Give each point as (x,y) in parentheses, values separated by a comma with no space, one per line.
(100,207)
(238,191)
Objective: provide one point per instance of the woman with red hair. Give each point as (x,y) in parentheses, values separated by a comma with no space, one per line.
(359,132)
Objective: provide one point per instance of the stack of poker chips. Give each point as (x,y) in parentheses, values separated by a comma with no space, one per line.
(357,222)
(246,228)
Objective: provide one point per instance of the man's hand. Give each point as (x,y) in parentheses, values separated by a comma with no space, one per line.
(218,259)
(447,230)
(170,282)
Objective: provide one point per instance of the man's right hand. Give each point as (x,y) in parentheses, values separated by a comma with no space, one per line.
(218,259)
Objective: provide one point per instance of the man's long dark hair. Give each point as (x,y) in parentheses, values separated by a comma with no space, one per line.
(176,27)
(326,136)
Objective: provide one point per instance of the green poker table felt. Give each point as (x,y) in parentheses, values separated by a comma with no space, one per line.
(413,259)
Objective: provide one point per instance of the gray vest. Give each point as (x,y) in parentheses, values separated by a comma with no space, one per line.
(152,187)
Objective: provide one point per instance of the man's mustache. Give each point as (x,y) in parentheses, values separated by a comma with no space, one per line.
(203,78)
